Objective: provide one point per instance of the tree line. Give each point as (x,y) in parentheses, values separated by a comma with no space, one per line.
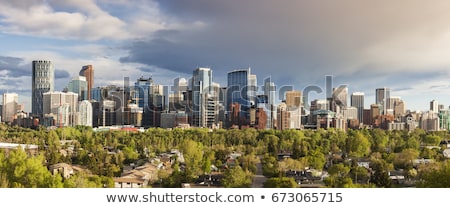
(333,150)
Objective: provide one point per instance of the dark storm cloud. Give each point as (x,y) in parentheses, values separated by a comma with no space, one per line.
(296,42)
(232,38)
(60,73)
(15,66)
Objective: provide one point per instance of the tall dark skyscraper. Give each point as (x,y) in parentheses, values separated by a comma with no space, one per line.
(43,80)
(142,91)
(88,72)
(241,89)
(357,101)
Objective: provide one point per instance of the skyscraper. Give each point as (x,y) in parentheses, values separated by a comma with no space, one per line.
(283,117)
(79,85)
(293,98)
(43,80)
(142,92)
(203,98)
(157,104)
(357,101)
(340,96)
(294,107)
(241,89)
(85,114)
(434,106)
(88,72)
(382,96)
(62,107)
(269,92)
(10,106)
(177,97)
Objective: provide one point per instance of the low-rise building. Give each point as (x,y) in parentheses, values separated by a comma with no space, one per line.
(29,148)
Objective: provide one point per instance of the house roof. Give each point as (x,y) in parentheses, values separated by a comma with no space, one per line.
(60,165)
(128,180)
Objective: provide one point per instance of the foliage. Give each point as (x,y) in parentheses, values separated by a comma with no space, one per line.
(283,182)
(236,177)
(380,173)
(17,170)
(105,153)
(436,176)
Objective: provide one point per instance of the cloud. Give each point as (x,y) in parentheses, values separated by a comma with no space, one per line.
(14,66)
(302,40)
(59,73)
(84,19)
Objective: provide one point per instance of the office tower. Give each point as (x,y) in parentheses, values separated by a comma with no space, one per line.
(88,72)
(340,97)
(133,115)
(294,98)
(62,107)
(270,92)
(96,113)
(85,115)
(399,109)
(10,106)
(242,89)
(382,96)
(142,89)
(108,115)
(252,88)
(294,107)
(429,121)
(204,98)
(121,98)
(391,102)
(141,96)
(318,105)
(357,101)
(156,104)
(283,117)
(43,80)
(434,106)
(177,97)
(78,85)
(350,113)
(375,113)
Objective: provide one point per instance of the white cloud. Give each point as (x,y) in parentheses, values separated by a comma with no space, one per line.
(82,19)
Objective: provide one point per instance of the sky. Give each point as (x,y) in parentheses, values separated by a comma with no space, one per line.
(403,45)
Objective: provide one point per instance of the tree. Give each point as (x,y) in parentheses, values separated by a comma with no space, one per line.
(437,176)
(282,182)
(236,177)
(193,157)
(248,162)
(291,164)
(316,159)
(359,174)
(380,140)
(18,170)
(270,166)
(380,174)
(339,176)
(432,140)
(130,155)
(358,145)
(404,159)
(272,142)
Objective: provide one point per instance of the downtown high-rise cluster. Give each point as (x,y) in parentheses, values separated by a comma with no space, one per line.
(198,101)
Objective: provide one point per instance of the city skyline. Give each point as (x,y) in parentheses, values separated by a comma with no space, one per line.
(295,43)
